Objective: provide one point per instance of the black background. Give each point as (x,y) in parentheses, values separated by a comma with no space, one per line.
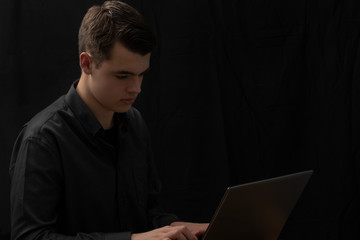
(238,91)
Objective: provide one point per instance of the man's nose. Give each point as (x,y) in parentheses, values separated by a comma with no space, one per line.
(135,85)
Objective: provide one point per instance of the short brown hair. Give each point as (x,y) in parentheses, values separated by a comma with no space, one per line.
(110,22)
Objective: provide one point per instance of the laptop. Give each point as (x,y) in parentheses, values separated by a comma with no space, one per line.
(257,210)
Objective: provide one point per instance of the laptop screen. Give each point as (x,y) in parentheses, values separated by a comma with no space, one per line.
(257,210)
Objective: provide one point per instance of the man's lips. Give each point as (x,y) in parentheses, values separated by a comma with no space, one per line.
(128,101)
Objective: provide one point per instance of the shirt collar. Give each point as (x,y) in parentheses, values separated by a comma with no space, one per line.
(84,114)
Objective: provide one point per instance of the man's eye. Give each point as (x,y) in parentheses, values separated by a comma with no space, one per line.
(121,76)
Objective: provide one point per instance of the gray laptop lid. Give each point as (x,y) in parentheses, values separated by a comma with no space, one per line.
(257,210)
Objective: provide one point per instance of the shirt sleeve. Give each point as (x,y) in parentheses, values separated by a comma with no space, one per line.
(36,187)
(158,216)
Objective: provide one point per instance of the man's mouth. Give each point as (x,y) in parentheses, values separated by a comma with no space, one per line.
(128,101)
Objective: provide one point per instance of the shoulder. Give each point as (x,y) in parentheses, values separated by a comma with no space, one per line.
(134,117)
(37,136)
(45,120)
(133,113)
(136,122)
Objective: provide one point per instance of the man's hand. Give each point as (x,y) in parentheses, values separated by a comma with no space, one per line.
(198,229)
(180,232)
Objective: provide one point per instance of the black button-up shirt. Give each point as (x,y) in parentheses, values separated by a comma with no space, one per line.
(69,181)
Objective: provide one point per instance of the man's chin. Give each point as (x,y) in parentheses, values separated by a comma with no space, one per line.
(123,109)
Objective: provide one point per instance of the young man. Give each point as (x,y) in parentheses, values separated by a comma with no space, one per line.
(82,168)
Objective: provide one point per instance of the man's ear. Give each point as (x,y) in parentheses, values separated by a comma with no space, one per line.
(85,62)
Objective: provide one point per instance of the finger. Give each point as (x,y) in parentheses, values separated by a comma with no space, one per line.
(176,234)
(186,233)
(199,232)
(198,228)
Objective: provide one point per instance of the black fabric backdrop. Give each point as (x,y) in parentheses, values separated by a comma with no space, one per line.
(238,91)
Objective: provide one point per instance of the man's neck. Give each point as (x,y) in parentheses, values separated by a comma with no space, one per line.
(104,116)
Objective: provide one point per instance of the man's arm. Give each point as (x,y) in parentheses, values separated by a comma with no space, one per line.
(177,229)
(36,187)
(36,190)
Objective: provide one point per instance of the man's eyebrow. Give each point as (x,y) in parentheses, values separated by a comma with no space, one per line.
(131,73)
(125,72)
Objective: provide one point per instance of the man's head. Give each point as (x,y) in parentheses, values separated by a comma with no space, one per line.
(114,45)
(114,21)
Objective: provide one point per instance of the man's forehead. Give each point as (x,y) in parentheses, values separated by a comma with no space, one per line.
(126,61)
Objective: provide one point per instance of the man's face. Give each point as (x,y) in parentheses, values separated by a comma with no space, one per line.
(116,83)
